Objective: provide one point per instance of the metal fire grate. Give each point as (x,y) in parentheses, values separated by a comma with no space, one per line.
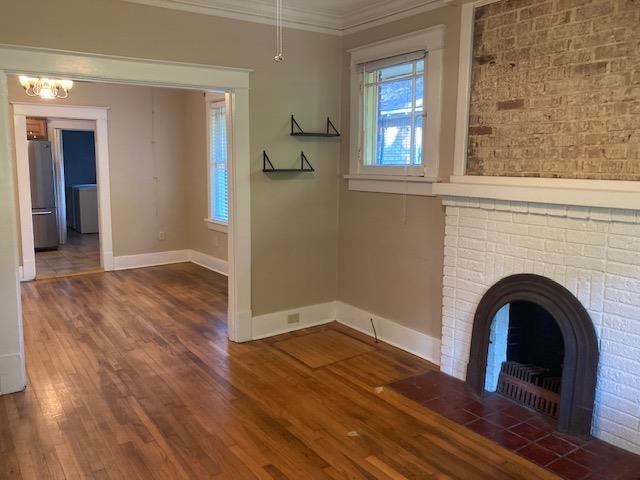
(529,385)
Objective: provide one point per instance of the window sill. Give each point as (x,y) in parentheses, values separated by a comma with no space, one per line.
(216,225)
(405,185)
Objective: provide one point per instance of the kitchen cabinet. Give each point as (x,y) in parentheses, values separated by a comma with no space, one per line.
(36,128)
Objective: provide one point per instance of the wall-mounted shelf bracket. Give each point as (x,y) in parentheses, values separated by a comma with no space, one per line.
(268,167)
(297,131)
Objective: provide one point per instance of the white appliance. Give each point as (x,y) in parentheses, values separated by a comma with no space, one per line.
(84,199)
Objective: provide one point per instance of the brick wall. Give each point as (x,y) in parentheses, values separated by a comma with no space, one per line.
(593,252)
(556,89)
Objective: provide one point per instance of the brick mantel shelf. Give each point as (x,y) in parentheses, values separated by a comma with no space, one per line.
(623,195)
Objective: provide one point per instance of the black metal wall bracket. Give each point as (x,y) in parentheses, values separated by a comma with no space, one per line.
(297,131)
(268,167)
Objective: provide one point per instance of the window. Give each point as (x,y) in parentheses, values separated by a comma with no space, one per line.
(395,113)
(218,166)
(393,110)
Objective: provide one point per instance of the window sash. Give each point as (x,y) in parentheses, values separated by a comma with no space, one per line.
(368,155)
(218,164)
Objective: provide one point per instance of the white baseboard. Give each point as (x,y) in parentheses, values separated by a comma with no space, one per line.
(243,326)
(28,270)
(412,341)
(271,324)
(142,260)
(209,262)
(126,262)
(107,261)
(12,375)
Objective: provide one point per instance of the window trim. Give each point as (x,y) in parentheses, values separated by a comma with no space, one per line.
(392,179)
(212,100)
(216,225)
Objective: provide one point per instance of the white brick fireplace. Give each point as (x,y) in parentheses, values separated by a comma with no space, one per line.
(594,252)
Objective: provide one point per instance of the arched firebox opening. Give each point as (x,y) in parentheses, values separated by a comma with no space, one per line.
(515,335)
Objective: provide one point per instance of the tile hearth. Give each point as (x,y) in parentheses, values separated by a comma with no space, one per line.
(526,432)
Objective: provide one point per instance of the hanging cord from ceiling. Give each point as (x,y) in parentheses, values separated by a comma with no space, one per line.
(279,56)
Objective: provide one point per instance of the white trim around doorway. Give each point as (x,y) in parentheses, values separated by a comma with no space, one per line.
(16,60)
(97,115)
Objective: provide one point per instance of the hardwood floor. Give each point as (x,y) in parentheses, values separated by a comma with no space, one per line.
(131,377)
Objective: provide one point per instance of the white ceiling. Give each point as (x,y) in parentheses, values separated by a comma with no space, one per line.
(331,16)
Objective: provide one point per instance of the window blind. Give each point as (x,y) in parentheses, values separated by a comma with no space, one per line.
(218,164)
(393,60)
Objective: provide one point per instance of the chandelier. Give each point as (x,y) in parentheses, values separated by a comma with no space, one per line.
(46,88)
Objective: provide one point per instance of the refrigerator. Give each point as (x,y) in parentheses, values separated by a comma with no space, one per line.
(43,197)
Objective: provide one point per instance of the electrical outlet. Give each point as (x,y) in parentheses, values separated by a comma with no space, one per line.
(293,318)
(162,236)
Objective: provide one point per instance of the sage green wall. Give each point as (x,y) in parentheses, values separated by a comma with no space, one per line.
(391,246)
(294,219)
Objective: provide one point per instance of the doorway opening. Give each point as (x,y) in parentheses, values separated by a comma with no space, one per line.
(64,196)
(50,201)
(16,60)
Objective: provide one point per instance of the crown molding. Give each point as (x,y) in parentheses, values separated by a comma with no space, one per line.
(335,22)
(386,11)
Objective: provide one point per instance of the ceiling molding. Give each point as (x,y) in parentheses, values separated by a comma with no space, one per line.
(336,21)
(386,11)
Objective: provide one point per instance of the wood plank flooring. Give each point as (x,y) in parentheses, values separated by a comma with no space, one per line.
(323,348)
(131,377)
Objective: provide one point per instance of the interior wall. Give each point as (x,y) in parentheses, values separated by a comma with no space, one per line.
(201,238)
(391,246)
(147,179)
(294,218)
(79,157)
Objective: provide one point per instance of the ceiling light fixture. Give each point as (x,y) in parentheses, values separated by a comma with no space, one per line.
(279,57)
(46,88)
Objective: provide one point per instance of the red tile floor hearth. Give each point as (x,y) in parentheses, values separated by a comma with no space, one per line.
(526,432)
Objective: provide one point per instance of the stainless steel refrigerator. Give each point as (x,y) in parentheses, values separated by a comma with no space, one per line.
(43,197)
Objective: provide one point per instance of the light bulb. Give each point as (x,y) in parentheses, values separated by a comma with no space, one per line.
(25,81)
(46,93)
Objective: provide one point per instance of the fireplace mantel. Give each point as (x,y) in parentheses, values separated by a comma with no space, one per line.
(591,248)
(585,193)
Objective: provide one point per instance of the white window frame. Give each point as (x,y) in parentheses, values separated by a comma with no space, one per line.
(214,99)
(412,170)
(394,179)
